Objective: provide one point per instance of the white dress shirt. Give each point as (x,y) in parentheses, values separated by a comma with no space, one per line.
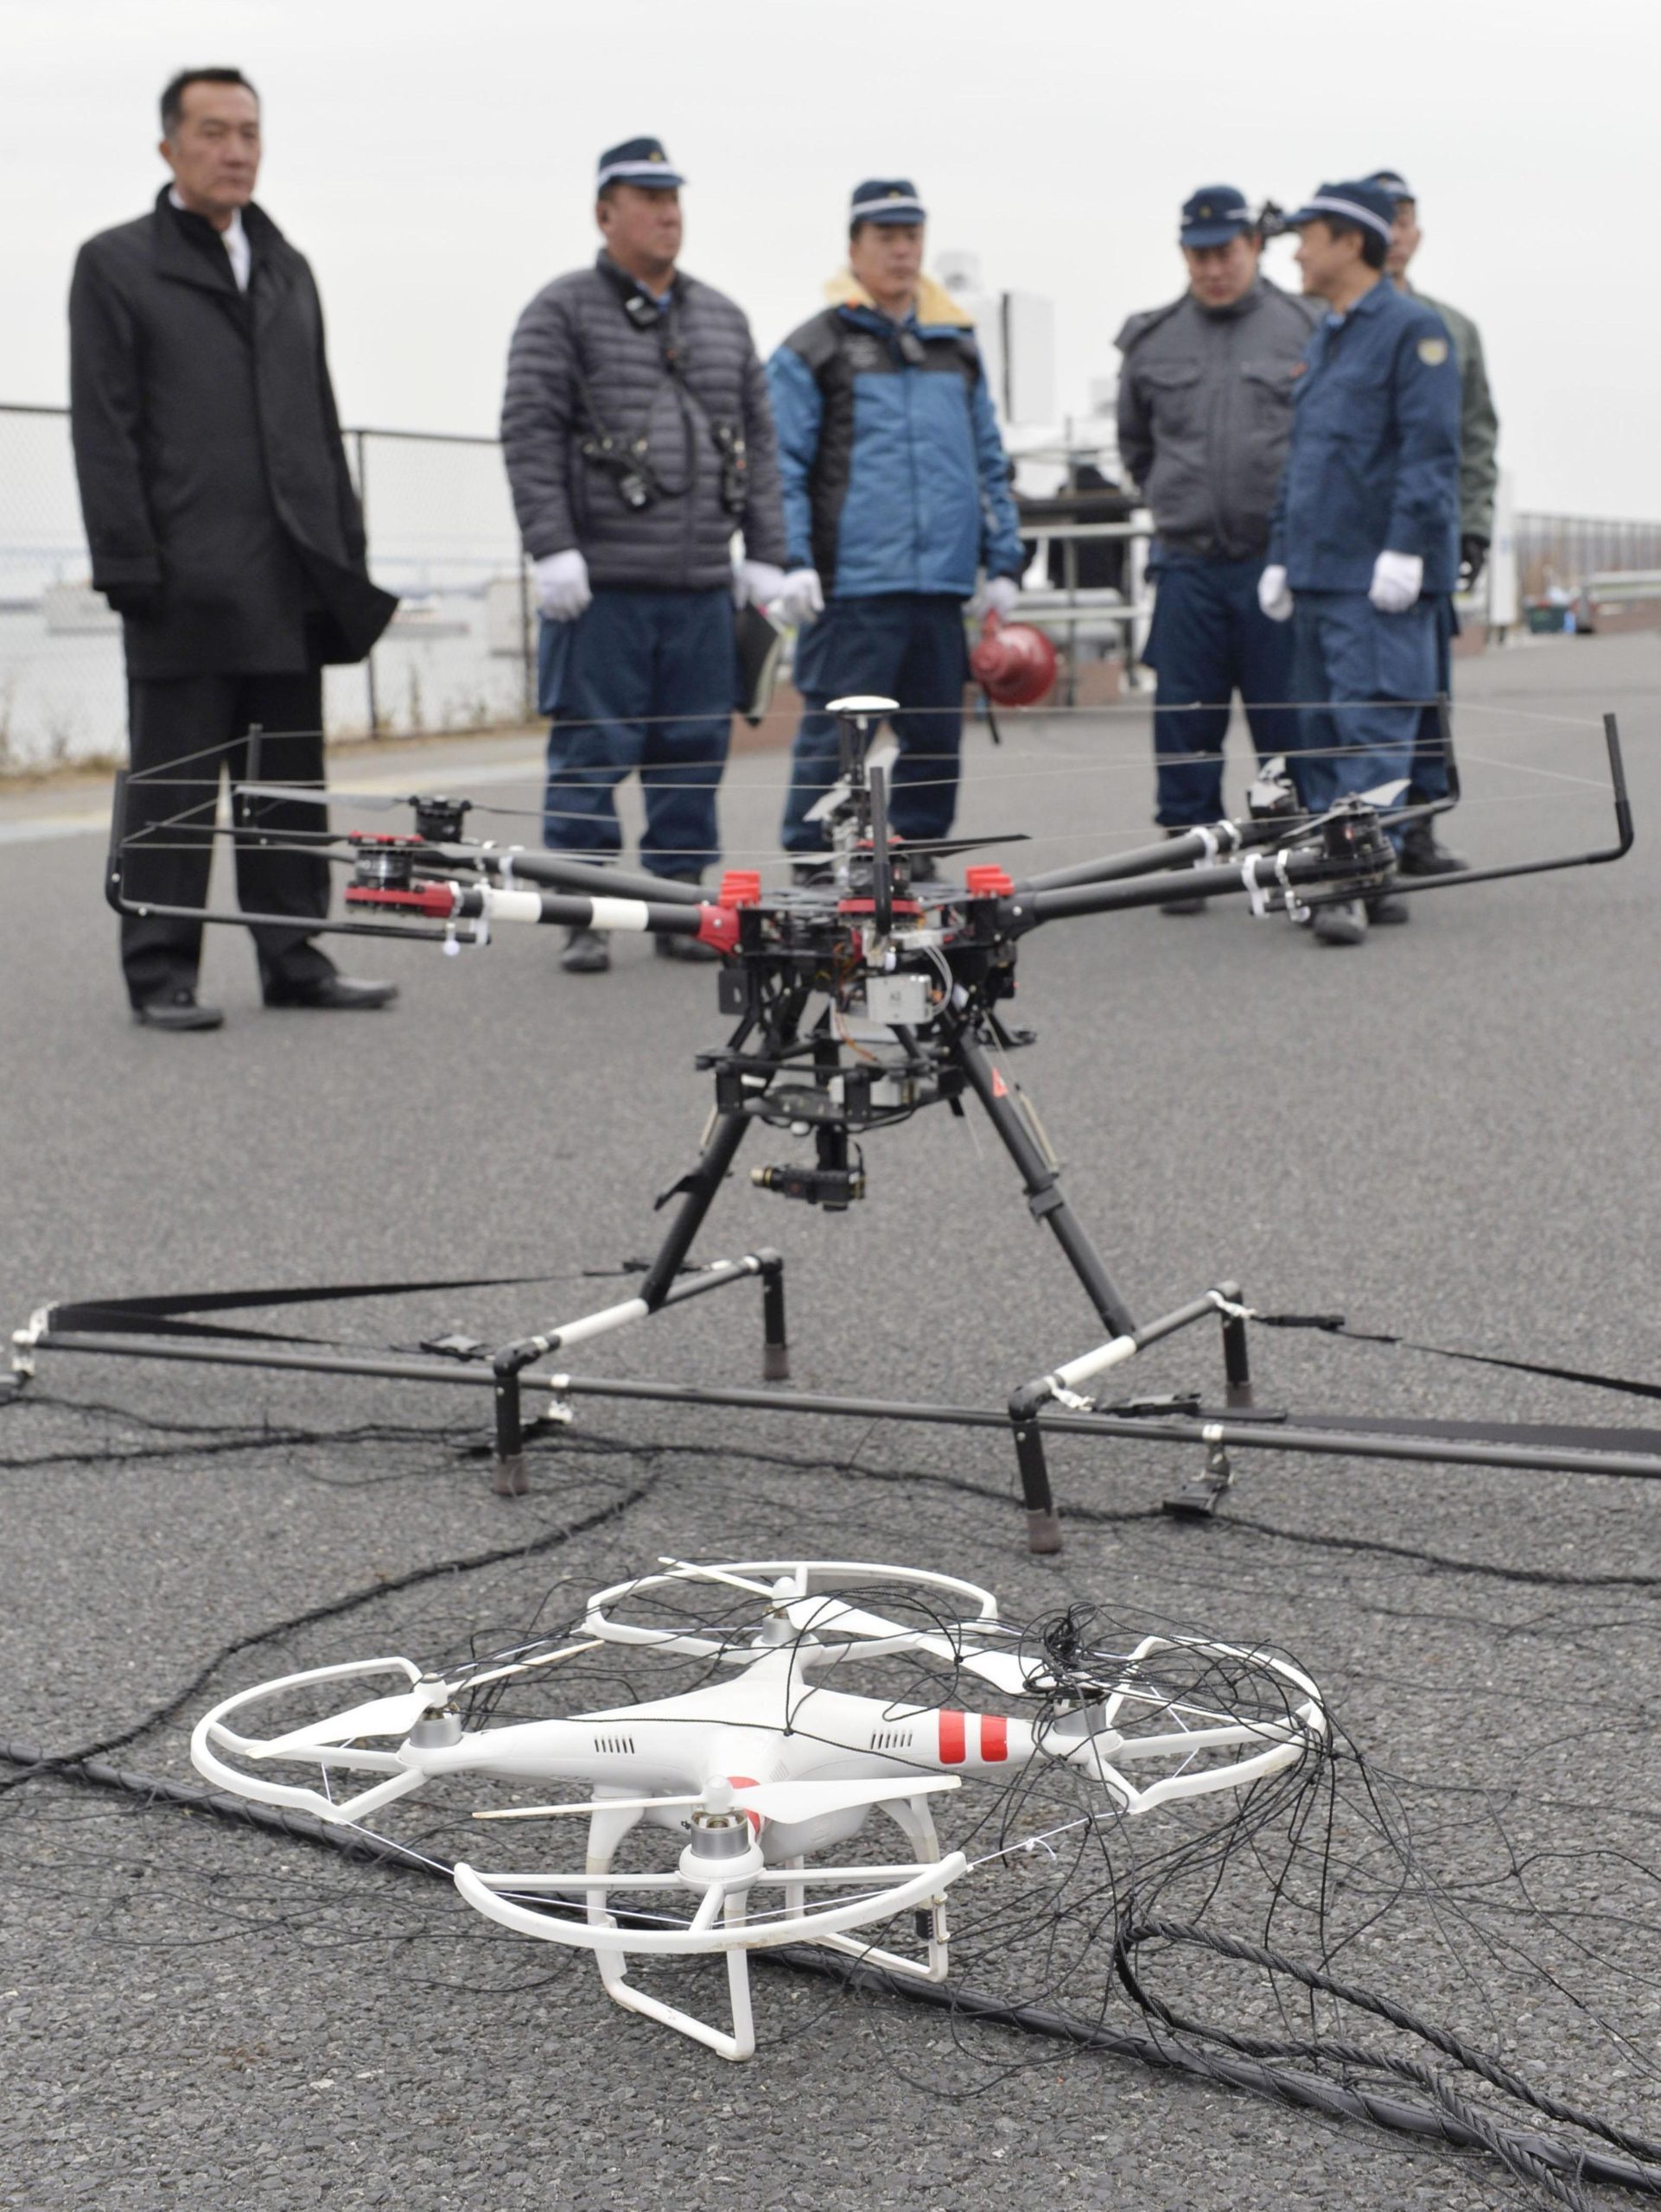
(234,238)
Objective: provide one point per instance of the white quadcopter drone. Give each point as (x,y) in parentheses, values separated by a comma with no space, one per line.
(763,1771)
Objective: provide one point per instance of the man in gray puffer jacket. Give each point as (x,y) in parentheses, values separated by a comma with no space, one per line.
(637,440)
(1205,414)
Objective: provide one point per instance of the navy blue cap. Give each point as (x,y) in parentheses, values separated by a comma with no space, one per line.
(1393,182)
(640,162)
(1369,206)
(887,199)
(1216,213)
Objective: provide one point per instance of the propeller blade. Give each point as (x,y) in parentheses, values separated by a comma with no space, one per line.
(398,1715)
(582,1805)
(830,1611)
(1385,796)
(775,1801)
(523,1666)
(720,1574)
(1003,1669)
(787,1801)
(943,848)
(318,793)
(381,1716)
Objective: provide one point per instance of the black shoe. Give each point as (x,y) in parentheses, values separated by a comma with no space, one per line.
(178,1010)
(1344,923)
(683,948)
(344,993)
(1421,855)
(587,953)
(1388,909)
(1182,905)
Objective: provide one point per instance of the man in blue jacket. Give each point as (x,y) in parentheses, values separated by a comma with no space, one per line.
(896,492)
(1365,534)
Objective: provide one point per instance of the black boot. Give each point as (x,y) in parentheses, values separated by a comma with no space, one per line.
(586,953)
(1421,855)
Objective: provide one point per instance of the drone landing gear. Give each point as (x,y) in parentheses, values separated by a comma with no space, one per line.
(664,1285)
(725,1922)
(1196,1500)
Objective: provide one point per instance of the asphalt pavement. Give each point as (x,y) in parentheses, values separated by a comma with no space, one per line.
(1446,1134)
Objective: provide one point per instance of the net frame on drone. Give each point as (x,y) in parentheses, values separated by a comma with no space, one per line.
(911,970)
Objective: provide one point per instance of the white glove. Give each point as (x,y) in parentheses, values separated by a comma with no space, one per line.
(1397,580)
(999,595)
(801,596)
(1272,596)
(757,582)
(562,589)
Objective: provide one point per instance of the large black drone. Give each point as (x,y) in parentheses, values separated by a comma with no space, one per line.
(860,998)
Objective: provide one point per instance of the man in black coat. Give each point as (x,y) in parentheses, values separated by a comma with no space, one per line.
(225,532)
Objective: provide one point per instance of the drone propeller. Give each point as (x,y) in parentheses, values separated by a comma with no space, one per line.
(397,1715)
(1005,1670)
(942,848)
(786,1802)
(1385,796)
(322,794)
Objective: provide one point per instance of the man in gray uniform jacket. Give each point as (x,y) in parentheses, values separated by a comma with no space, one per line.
(637,440)
(1205,413)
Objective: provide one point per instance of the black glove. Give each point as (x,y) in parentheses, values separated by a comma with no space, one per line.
(1472,557)
(137,602)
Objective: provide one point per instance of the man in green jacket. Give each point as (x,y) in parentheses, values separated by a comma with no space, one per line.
(1479,472)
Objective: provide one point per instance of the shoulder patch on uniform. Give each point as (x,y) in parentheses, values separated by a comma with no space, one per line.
(1433,352)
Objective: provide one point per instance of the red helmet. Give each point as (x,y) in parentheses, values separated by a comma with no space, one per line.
(1013,664)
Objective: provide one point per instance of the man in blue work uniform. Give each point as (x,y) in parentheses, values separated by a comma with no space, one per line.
(638,442)
(1205,412)
(896,492)
(1478,479)
(1365,538)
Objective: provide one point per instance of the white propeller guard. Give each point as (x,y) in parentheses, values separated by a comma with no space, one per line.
(851,1572)
(211,1736)
(905,1887)
(1283,1739)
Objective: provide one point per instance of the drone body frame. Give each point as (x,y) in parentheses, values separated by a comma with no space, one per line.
(908,973)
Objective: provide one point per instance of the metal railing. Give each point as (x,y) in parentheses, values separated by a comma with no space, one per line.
(1564,552)
(459,654)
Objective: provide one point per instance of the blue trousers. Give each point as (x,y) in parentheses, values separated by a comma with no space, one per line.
(1209,639)
(1359,670)
(643,681)
(904,645)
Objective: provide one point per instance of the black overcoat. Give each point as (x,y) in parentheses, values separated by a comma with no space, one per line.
(209,453)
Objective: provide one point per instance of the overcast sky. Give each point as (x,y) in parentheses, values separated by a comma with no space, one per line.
(435,161)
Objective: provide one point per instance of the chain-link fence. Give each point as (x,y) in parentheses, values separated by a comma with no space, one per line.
(460,653)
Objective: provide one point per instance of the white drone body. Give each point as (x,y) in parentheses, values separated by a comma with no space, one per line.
(759,1775)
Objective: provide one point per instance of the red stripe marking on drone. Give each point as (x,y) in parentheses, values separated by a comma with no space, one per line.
(748,1782)
(999,1088)
(954,1737)
(995,1737)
